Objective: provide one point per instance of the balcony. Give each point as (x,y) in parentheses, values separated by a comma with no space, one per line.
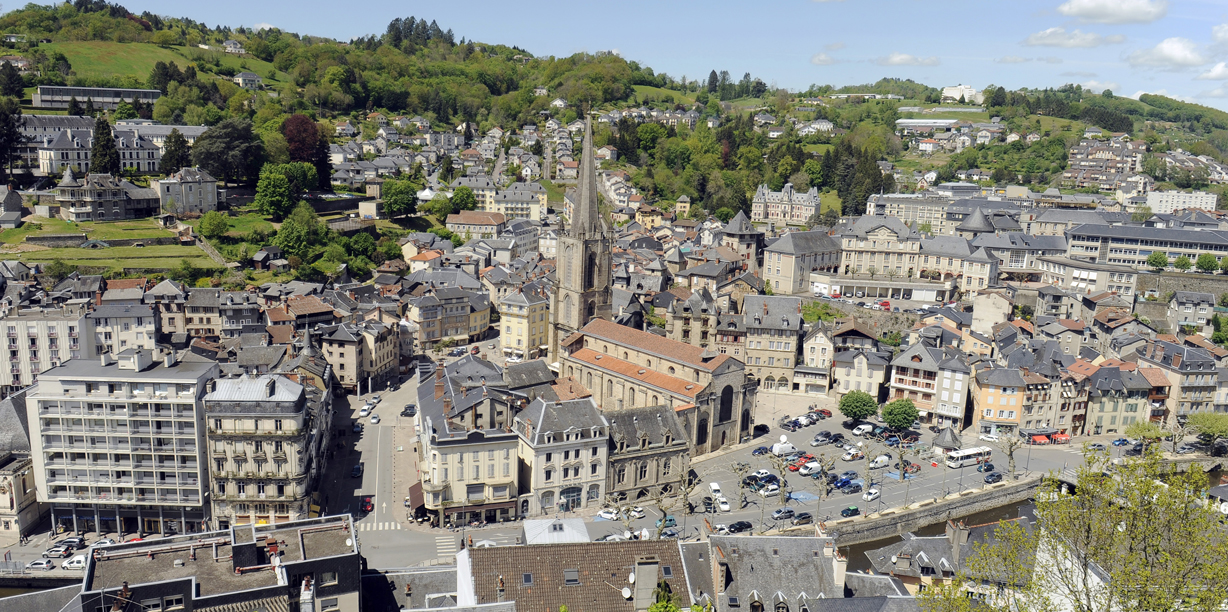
(72,334)
(12,333)
(52,333)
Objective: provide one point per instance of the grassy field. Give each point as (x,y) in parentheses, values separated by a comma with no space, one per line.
(138,228)
(817,149)
(554,193)
(829,199)
(152,257)
(658,94)
(104,58)
(412,224)
(243,224)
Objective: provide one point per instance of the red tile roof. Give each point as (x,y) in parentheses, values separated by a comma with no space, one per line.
(126,283)
(1083,367)
(626,369)
(306,305)
(1126,366)
(1155,376)
(652,343)
(569,388)
(280,334)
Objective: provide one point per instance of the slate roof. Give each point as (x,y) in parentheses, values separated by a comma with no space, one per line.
(542,417)
(527,374)
(805,243)
(14,426)
(768,569)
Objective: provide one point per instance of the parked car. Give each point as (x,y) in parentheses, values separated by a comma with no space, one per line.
(791,426)
(870,494)
(761,473)
(740,526)
(58,552)
(803,518)
(357,471)
(375,419)
(909,467)
(1121,442)
(850,511)
(820,440)
(1185,449)
(863,429)
(769,489)
(41,564)
(637,512)
(993,478)
(989,437)
(103,542)
(364,411)
(825,413)
(841,482)
(1096,446)
(837,438)
(810,468)
(75,542)
(781,514)
(762,450)
(357,428)
(409,410)
(668,521)
(608,514)
(669,533)
(853,487)
(715,488)
(367,504)
(75,563)
(722,504)
(881,461)
(852,455)
(985,467)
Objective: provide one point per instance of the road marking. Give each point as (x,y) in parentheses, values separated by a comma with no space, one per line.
(445,545)
(373,526)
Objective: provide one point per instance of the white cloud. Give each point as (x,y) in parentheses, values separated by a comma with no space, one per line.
(1172,53)
(1079,73)
(263,26)
(1161,92)
(836,46)
(904,59)
(1013,59)
(1218,72)
(1220,33)
(1050,59)
(1218,92)
(823,59)
(1115,11)
(1098,86)
(1059,37)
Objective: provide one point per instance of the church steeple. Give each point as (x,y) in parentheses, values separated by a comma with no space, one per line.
(588,220)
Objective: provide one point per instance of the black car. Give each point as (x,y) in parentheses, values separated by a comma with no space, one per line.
(803,518)
(993,478)
(850,424)
(357,427)
(837,438)
(410,410)
(740,526)
(357,471)
(850,511)
(985,468)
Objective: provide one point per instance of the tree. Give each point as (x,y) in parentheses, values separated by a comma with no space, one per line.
(11,136)
(400,197)
(712,82)
(273,196)
(213,225)
(1141,214)
(300,175)
(1141,538)
(1157,260)
(900,414)
(323,164)
(57,271)
(301,134)
(229,150)
(104,156)
(10,81)
(724,214)
(1207,263)
(300,232)
(361,245)
(1223,266)
(1009,443)
(1146,431)
(74,107)
(858,405)
(463,199)
(1183,263)
(177,154)
(165,38)
(440,206)
(1211,424)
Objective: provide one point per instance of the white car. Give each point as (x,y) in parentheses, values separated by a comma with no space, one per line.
(989,437)
(41,564)
(761,474)
(715,487)
(513,359)
(608,514)
(364,411)
(374,419)
(638,512)
(720,530)
(75,563)
(853,455)
(722,503)
(374,399)
(769,489)
(870,495)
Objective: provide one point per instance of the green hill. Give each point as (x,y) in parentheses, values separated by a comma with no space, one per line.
(106,59)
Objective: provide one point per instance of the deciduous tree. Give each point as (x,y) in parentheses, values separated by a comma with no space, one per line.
(273,196)
(11,136)
(900,414)
(858,405)
(463,199)
(302,134)
(1157,260)
(1207,263)
(400,197)
(1183,263)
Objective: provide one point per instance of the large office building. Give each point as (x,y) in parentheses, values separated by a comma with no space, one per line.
(1131,245)
(118,443)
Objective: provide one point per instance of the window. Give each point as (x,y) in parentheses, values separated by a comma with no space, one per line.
(173,603)
(327,578)
(571,577)
(527,579)
(667,571)
(329,605)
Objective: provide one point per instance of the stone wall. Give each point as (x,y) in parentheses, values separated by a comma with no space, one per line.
(57,240)
(1156,312)
(1182,281)
(897,522)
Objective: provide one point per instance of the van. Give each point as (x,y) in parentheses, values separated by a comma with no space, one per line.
(863,429)
(715,487)
(75,563)
(783,448)
(881,461)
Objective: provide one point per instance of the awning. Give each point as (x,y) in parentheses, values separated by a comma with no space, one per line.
(1061,438)
(415,495)
(922,413)
(1040,440)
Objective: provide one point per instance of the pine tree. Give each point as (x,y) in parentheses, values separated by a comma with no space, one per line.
(10,81)
(177,154)
(11,136)
(74,107)
(104,157)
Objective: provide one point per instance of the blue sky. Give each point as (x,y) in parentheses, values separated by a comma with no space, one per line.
(1174,47)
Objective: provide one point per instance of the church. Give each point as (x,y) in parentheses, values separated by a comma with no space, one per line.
(711,394)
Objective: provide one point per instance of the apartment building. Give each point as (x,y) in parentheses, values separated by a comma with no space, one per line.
(365,353)
(450,313)
(694,320)
(649,451)
(860,370)
(788,262)
(1190,309)
(564,452)
(264,436)
(240,314)
(41,339)
(525,320)
(812,374)
(784,206)
(204,319)
(169,302)
(1081,276)
(998,401)
(1117,398)
(1167,202)
(745,240)
(624,367)
(915,210)
(472,224)
(1192,376)
(120,443)
(773,339)
(119,328)
(935,378)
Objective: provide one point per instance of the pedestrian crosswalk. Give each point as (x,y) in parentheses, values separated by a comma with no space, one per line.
(445,546)
(381,526)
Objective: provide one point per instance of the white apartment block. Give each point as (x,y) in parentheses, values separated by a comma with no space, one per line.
(118,445)
(1165,202)
(41,339)
(119,328)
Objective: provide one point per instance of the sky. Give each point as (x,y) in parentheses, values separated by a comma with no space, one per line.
(1177,48)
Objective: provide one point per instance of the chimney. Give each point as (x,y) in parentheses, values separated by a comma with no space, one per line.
(447,405)
(839,567)
(169,358)
(211,386)
(439,383)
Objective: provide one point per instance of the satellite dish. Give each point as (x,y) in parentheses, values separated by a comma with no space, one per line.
(1223,507)
(631,577)
(893,558)
(626,593)
(627,534)
(349,542)
(783,438)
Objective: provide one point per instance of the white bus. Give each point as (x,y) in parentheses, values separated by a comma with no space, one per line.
(969,456)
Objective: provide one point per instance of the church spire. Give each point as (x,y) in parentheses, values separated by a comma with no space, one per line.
(587,216)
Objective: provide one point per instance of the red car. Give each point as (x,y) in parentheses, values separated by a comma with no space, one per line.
(367,505)
(803,460)
(824,412)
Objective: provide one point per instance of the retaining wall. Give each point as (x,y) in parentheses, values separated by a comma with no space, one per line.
(891,523)
(1182,281)
(57,240)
